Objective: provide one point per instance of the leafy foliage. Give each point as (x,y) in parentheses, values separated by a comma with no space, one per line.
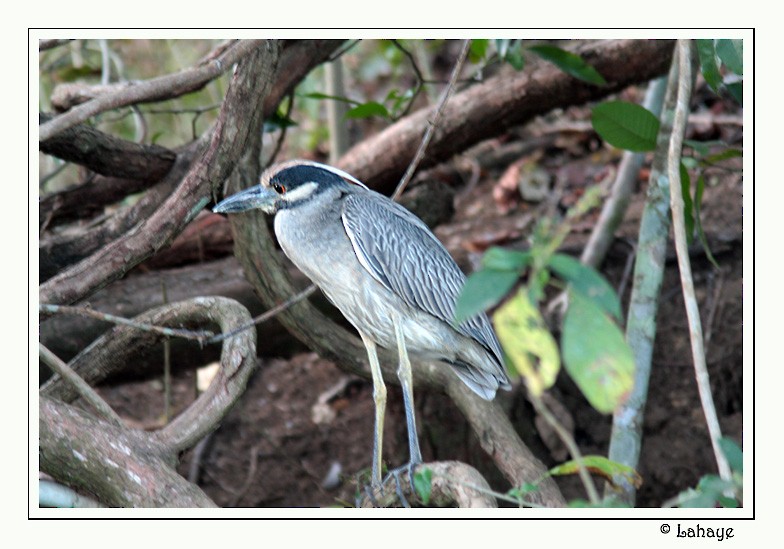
(600,465)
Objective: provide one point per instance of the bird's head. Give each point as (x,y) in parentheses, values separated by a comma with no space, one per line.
(287,185)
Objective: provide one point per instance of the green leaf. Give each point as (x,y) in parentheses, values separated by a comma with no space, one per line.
(477,50)
(702,148)
(511,52)
(610,470)
(515,58)
(527,342)
(519,492)
(502,46)
(626,125)
(277,121)
(587,281)
(482,290)
(366,110)
(700,187)
(572,64)
(731,54)
(733,453)
(319,95)
(710,70)
(595,354)
(501,259)
(688,205)
(423,484)
(723,155)
(736,91)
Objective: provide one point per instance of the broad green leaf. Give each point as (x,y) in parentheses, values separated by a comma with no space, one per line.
(587,281)
(702,148)
(626,125)
(688,205)
(731,54)
(596,354)
(733,453)
(572,64)
(366,110)
(736,91)
(693,499)
(527,342)
(699,188)
(483,289)
(511,52)
(519,492)
(423,484)
(501,259)
(610,470)
(710,70)
(478,49)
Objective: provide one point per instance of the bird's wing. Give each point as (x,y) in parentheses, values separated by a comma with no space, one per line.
(401,253)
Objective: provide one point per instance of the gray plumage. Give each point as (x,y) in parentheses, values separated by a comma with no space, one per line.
(384,270)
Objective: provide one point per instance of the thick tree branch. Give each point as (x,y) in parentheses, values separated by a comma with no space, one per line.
(499,103)
(121,467)
(106,154)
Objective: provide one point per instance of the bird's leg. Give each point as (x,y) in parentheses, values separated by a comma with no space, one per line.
(380,400)
(405,376)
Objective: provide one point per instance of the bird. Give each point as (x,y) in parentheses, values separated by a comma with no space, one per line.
(389,276)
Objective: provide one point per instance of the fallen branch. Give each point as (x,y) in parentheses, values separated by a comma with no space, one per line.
(453,484)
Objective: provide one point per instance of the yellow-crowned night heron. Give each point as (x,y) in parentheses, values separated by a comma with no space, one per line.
(386,272)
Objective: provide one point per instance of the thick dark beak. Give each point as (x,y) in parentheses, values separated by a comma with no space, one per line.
(255,198)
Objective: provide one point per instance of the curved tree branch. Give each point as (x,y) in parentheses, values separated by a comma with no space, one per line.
(126,467)
(155,89)
(123,468)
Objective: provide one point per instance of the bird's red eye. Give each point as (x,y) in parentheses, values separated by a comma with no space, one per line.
(280,189)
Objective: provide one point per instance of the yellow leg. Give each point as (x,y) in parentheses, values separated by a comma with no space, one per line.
(380,400)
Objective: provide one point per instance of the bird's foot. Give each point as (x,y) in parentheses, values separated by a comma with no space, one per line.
(395,473)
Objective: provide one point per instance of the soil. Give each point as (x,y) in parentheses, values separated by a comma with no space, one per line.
(301,436)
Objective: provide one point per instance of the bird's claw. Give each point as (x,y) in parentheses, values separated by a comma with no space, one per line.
(395,473)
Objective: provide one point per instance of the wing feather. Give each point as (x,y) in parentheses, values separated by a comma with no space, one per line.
(402,254)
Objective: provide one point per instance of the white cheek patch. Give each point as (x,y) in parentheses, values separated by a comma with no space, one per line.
(300,193)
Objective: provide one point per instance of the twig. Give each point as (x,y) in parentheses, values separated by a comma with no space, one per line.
(267,315)
(250,475)
(681,247)
(341,51)
(432,122)
(202,336)
(154,89)
(282,136)
(81,386)
(417,73)
(568,440)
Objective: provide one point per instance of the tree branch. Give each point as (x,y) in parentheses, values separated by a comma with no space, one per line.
(155,89)
(239,116)
(499,103)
